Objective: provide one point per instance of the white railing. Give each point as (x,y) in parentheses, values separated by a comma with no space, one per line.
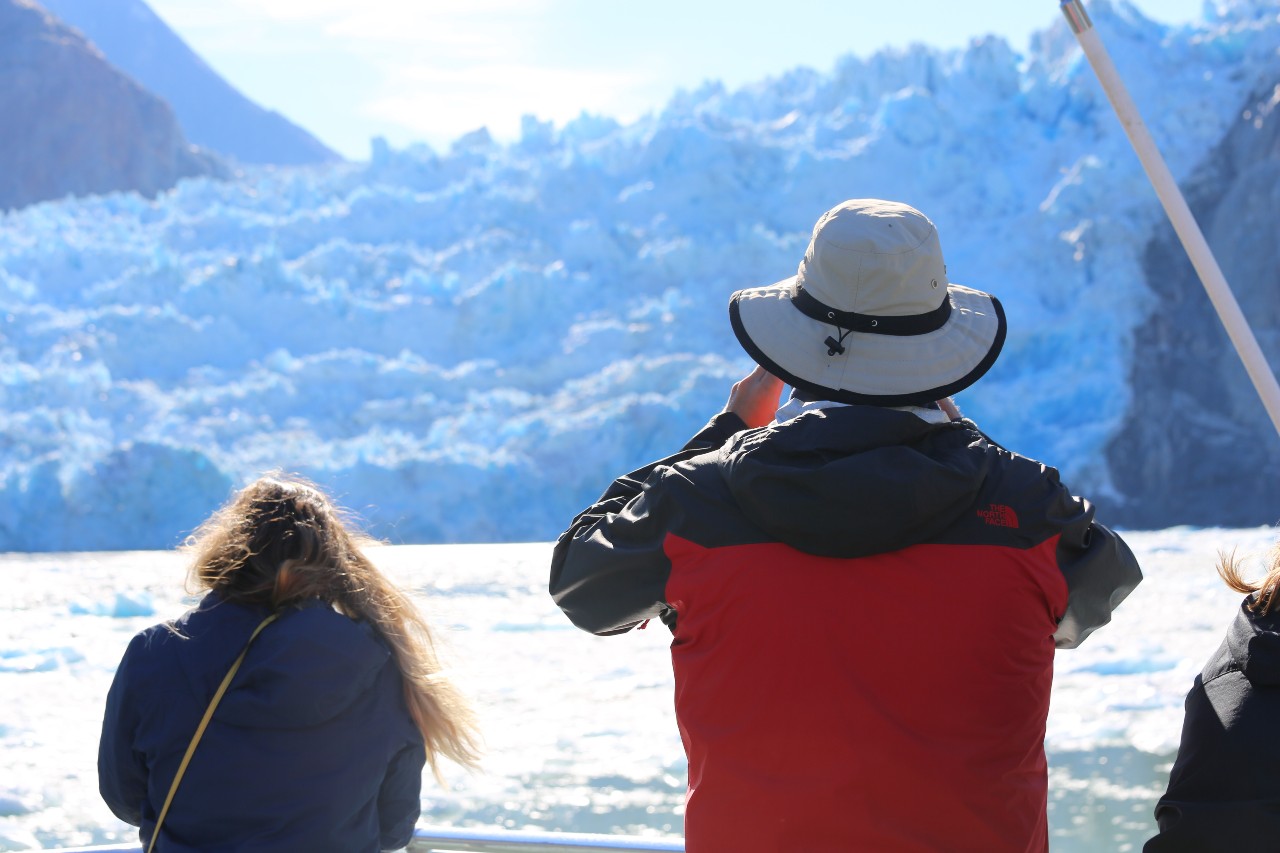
(434,839)
(440,840)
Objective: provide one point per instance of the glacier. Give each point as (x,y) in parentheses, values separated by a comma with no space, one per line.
(467,345)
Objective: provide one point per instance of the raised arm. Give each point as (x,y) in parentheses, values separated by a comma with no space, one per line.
(608,570)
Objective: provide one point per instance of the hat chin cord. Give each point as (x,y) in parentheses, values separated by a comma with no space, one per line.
(836,347)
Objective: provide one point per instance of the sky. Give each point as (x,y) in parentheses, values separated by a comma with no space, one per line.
(432,70)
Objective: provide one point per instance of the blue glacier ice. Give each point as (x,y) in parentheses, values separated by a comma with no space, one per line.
(467,345)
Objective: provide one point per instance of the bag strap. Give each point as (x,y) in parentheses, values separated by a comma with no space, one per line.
(204,723)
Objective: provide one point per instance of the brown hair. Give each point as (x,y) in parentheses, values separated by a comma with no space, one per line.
(281,541)
(1229,570)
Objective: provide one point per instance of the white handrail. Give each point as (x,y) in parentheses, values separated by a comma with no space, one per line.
(435,839)
(1175,206)
(497,841)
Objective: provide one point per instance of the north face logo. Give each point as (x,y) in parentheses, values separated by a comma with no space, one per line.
(999,515)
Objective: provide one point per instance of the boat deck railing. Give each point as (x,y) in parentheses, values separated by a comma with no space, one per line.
(434,839)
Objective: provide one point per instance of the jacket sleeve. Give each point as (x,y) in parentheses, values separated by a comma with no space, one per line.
(122,770)
(608,570)
(1099,569)
(400,797)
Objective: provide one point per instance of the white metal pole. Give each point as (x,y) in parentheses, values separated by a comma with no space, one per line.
(1175,206)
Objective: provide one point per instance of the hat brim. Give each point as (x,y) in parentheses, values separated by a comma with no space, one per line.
(874,369)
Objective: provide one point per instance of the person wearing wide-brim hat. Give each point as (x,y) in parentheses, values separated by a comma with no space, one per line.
(871,317)
(865,592)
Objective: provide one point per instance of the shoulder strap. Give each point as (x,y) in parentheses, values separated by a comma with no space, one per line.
(204,723)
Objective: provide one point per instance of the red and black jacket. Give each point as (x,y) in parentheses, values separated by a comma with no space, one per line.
(865,609)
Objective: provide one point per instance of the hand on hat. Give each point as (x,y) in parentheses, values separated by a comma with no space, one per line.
(754,398)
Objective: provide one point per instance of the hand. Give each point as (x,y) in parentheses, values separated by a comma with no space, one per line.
(754,398)
(950,408)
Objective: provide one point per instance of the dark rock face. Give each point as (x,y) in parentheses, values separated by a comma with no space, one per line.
(213,113)
(72,124)
(1197,446)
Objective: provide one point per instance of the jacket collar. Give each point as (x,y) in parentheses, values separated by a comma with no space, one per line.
(851,481)
(1253,645)
(797,406)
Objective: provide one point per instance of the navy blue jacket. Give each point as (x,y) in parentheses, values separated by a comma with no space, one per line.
(312,747)
(1224,789)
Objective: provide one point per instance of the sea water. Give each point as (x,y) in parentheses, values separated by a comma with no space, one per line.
(580,732)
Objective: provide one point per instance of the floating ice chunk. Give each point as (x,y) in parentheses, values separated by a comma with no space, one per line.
(1158,732)
(37,660)
(530,627)
(1129,666)
(130,604)
(12,804)
(125,605)
(87,608)
(16,838)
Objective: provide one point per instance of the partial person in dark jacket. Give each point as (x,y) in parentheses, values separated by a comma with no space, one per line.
(1224,788)
(320,740)
(865,591)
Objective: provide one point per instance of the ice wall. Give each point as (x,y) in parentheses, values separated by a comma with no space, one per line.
(469,345)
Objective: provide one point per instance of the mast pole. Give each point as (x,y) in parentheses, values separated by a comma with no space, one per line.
(1175,206)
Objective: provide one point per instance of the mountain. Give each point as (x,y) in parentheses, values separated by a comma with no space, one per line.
(1196,446)
(468,345)
(212,112)
(75,125)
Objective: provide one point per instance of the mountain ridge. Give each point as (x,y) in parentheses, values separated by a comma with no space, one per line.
(78,126)
(212,112)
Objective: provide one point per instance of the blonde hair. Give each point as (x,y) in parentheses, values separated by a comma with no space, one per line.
(1229,570)
(281,541)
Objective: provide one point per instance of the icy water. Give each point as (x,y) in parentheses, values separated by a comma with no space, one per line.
(580,730)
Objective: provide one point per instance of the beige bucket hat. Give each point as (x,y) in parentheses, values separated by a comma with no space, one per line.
(870,316)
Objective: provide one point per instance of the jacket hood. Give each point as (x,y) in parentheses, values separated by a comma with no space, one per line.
(855,480)
(305,668)
(1253,646)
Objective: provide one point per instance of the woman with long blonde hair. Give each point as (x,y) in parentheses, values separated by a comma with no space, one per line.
(329,695)
(1224,788)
